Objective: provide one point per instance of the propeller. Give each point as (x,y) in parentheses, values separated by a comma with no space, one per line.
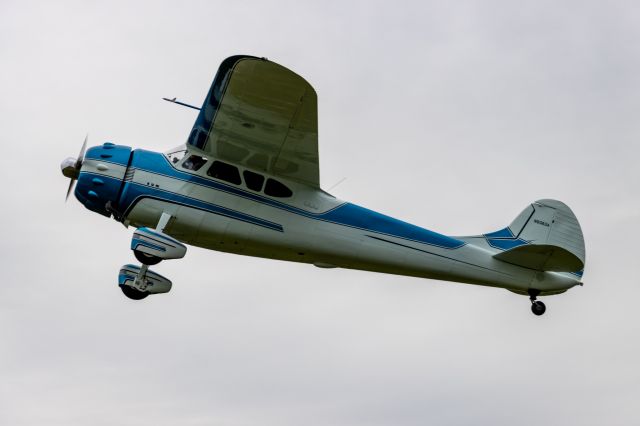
(71,167)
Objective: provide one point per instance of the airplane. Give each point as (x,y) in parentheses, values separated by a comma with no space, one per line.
(247,181)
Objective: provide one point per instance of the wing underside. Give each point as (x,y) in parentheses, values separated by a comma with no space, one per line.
(263,116)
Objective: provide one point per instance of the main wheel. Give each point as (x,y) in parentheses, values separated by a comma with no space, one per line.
(132,293)
(146,259)
(538,308)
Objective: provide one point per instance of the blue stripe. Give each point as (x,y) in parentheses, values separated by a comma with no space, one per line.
(123,278)
(135,192)
(154,233)
(503,233)
(135,242)
(153,162)
(365,219)
(504,239)
(504,244)
(345,214)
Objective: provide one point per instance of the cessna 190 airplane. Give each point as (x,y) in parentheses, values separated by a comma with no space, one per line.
(247,182)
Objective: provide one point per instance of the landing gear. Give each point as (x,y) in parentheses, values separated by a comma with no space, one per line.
(146,259)
(132,293)
(537,307)
(150,246)
(137,282)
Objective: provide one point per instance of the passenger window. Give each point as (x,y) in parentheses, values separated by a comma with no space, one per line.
(224,171)
(194,162)
(277,189)
(253,180)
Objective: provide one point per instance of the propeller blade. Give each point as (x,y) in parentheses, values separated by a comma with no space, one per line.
(71,170)
(81,154)
(71,185)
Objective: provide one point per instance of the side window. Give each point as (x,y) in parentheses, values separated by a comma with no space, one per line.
(253,180)
(224,171)
(194,162)
(277,189)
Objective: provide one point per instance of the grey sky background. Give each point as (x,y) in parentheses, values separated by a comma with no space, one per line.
(451,115)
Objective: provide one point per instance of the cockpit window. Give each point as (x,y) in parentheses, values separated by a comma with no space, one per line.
(194,162)
(226,172)
(253,180)
(176,156)
(277,189)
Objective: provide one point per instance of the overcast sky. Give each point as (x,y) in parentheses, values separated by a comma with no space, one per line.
(451,115)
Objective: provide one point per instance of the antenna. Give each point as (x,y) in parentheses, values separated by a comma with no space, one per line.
(337,183)
(180,103)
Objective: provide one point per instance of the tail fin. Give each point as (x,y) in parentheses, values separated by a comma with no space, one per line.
(546,236)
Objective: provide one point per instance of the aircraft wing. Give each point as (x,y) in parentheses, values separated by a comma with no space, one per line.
(263,116)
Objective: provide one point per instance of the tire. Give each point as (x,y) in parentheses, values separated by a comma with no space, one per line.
(132,293)
(538,308)
(146,259)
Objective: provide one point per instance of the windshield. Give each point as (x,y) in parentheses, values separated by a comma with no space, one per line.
(176,154)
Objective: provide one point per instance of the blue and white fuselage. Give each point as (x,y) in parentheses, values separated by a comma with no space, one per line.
(311,226)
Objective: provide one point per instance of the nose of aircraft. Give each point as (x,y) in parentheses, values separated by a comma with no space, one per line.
(99,175)
(71,167)
(68,167)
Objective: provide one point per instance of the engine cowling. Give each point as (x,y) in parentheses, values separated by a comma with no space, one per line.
(101,177)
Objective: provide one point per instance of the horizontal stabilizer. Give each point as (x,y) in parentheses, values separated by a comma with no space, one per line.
(542,258)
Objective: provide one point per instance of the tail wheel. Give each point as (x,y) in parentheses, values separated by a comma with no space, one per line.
(146,259)
(132,293)
(538,308)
